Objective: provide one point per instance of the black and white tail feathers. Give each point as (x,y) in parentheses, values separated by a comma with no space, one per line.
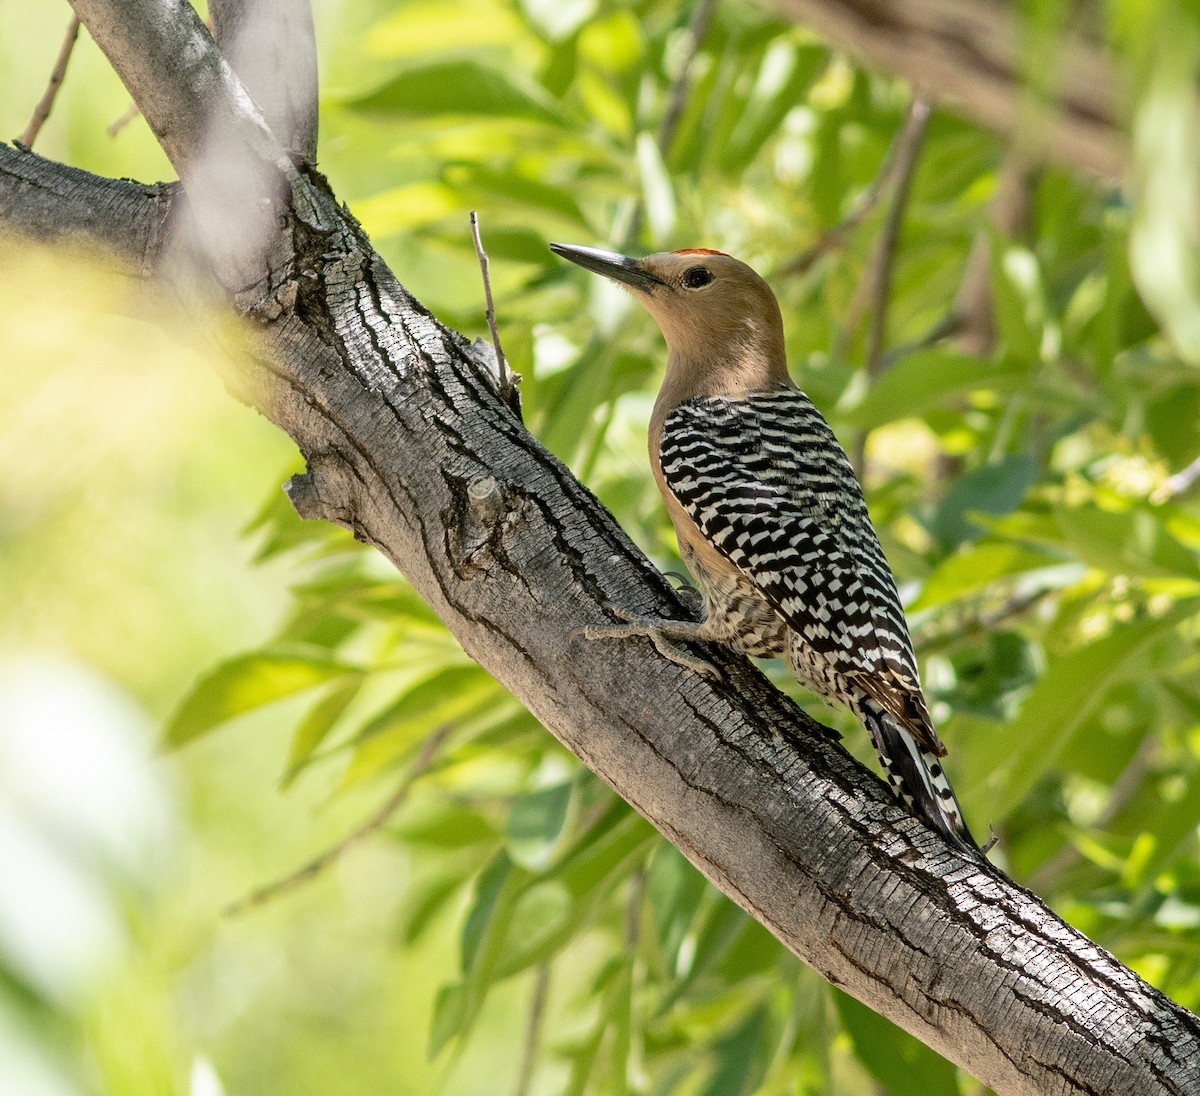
(917,777)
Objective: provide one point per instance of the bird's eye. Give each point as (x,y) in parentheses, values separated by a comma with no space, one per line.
(697,277)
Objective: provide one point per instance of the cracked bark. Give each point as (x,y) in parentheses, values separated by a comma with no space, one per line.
(409,445)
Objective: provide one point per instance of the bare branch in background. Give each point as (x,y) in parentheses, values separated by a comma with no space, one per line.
(370,827)
(1179,484)
(884,259)
(967,54)
(46,104)
(272,47)
(874,285)
(119,124)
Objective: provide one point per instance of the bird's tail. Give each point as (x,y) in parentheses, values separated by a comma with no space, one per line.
(917,777)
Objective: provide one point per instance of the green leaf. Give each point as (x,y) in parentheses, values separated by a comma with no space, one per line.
(925,380)
(735,1055)
(902,1064)
(1060,705)
(248,682)
(1016,298)
(482,915)
(1129,542)
(974,568)
(996,488)
(445,698)
(314,728)
(458,86)
(450,1016)
(535,824)
(673,888)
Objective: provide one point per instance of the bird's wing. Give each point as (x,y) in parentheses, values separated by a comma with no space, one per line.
(768,485)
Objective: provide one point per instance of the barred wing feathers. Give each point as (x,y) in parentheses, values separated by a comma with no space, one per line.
(769,486)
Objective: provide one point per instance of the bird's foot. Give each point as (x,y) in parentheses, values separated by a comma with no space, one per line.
(664,634)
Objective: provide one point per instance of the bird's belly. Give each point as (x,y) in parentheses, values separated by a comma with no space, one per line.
(737,614)
(816,673)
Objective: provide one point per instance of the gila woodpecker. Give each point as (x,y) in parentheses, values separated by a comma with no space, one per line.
(770,518)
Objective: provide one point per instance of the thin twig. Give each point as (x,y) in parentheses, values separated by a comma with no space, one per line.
(533,1029)
(507,379)
(875,284)
(970,321)
(115,127)
(874,290)
(677,99)
(1178,484)
(42,111)
(883,262)
(372,825)
(983,622)
(834,238)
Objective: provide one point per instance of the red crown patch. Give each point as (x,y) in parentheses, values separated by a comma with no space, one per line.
(698,251)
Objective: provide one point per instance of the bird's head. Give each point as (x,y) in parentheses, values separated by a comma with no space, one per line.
(720,319)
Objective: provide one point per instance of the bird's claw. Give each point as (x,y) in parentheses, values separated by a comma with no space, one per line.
(657,632)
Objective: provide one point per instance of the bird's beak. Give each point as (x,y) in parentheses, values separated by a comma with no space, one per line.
(621,268)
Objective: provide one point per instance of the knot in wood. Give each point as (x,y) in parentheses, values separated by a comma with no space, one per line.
(485,512)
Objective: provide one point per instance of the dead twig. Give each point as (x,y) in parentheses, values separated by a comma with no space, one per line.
(372,825)
(42,111)
(874,287)
(533,1029)
(832,239)
(912,137)
(1178,484)
(677,99)
(873,293)
(507,379)
(115,127)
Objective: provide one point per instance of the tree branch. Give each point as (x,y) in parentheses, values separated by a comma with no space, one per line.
(968,54)
(46,103)
(271,46)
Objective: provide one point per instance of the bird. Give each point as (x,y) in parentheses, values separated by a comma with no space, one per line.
(770,517)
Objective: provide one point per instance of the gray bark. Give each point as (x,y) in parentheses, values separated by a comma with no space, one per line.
(409,445)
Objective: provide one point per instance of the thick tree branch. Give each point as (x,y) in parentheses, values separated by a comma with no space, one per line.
(409,446)
(271,46)
(968,53)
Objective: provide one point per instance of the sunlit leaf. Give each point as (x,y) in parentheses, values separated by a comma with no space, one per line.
(1062,701)
(924,380)
(458,86)
(321,718)
(976,567)
(248,682)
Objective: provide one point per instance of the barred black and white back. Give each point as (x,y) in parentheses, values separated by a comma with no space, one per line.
(769,486)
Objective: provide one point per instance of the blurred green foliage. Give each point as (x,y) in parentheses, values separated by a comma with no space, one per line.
(1023,493)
